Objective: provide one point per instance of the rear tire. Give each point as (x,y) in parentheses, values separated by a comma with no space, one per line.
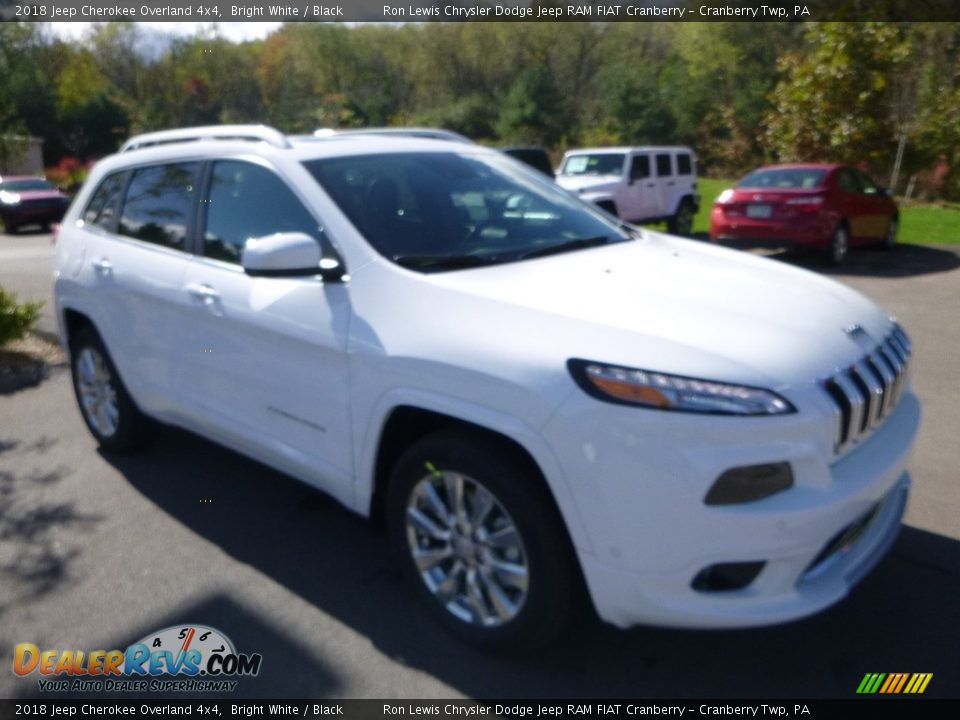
(682,221)
(839,247)
(481,543)
(105,405)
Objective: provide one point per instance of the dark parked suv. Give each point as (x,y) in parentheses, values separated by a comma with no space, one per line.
(30,201)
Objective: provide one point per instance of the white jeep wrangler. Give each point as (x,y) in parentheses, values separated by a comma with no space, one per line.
(637,184)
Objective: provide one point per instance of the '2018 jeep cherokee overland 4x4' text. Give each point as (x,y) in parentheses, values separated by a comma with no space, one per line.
(537,399)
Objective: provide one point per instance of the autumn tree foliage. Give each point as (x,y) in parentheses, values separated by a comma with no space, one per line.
(739,93)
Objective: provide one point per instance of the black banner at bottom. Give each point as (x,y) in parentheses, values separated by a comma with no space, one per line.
(874,708)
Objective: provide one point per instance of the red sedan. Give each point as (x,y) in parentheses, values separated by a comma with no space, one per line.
(813,205)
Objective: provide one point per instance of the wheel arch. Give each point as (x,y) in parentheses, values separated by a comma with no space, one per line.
(75,321)
(404,424)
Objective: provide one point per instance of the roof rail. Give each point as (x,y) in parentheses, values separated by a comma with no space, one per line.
(418,132)
(260,133)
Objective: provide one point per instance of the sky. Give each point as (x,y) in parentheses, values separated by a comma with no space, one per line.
(235,31)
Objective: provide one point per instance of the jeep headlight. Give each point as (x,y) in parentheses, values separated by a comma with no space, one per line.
(661,391)
(9,198)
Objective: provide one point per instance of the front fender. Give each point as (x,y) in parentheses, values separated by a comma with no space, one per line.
(457,408)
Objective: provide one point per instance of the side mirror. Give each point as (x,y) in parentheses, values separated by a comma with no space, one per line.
(288,254)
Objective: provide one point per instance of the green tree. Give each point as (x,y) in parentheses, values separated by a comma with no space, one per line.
(836,101)
(530,108)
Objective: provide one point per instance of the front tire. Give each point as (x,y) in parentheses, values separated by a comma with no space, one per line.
(479,538)
(107,408)
(891,238)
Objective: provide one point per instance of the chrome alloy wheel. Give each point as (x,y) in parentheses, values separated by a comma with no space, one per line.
(98,396)
(467,549)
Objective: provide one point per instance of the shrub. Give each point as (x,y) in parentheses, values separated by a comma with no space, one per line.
(16,319)
(68,174)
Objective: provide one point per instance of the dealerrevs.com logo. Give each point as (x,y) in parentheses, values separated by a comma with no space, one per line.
(180,658)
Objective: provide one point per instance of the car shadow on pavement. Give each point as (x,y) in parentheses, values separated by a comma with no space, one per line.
(35,558)
(898,261)
(901,618)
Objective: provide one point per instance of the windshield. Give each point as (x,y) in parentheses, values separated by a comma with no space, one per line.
(785,178)
(28,184)
(449,210)
(599,164)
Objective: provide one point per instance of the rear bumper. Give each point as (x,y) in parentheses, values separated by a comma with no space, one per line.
(814,231)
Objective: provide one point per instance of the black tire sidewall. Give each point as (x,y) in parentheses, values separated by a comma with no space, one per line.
(685,207)
(831,256)
(553,588)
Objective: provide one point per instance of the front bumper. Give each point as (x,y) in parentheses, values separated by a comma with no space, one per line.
(640,496)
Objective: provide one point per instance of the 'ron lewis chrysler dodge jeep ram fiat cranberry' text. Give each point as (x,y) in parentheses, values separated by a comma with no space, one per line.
(542,403)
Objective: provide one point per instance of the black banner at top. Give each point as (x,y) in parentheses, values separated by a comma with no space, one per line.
(540,709)
(479,11)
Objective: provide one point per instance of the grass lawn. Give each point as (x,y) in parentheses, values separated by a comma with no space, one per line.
(920,223)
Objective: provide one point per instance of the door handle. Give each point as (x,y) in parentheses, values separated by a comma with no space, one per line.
(651,185)
(204,293)
(102,266)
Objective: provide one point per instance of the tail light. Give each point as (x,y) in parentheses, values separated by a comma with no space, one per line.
(807,203)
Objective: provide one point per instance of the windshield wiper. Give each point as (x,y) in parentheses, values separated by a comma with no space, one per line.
(578,244)
(446,262)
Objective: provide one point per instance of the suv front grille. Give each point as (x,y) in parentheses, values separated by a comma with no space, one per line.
(869,390)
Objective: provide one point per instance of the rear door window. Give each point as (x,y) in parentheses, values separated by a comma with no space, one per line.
(848,182)
(684,164)
(159,204)
(664,168)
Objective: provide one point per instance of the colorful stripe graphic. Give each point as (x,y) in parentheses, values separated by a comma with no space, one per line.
(894,683)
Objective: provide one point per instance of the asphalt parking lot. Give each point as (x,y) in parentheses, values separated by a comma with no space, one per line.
(97,551)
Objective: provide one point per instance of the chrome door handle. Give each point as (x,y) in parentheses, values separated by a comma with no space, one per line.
(102,266)
(204,293)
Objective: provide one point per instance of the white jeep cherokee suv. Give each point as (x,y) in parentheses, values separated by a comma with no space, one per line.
(637,184)
(537,399)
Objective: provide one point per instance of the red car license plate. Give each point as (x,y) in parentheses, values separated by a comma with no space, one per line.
(759,211)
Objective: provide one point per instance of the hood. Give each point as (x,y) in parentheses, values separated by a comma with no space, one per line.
(582,183)
(677,306)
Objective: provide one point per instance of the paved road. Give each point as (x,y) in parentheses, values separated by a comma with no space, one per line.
(26,268)
(97,551)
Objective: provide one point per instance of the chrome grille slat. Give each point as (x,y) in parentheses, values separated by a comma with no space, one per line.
(896,366)
(855,401)
(879,364)
(875,388)
(867,391)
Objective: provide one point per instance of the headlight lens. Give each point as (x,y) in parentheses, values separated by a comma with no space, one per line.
(9,198)
(630,386)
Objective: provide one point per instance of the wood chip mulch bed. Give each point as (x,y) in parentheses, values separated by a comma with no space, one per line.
(25,363)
